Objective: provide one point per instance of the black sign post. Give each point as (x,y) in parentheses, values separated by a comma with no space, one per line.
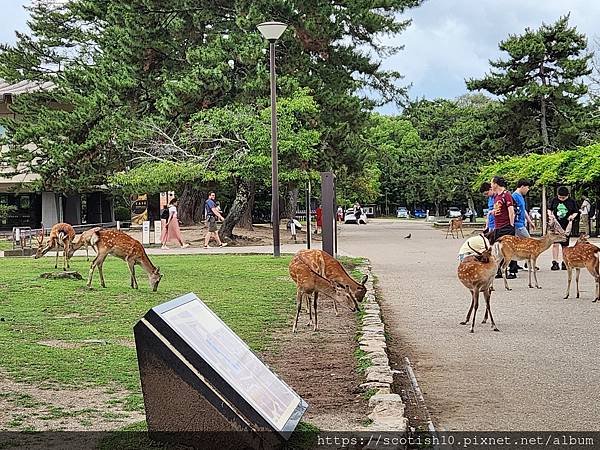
(328,202)
(204,387)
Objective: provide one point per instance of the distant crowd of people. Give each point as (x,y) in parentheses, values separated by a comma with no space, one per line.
(508,215)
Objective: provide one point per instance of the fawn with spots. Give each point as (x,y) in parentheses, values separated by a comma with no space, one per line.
(83,240)
(582,254)
(122,246)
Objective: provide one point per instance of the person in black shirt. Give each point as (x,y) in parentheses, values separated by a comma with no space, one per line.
(563,209)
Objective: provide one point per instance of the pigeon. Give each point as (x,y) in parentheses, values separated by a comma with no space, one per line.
(408,237)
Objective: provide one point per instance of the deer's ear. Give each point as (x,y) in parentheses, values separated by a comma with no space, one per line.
(364,279)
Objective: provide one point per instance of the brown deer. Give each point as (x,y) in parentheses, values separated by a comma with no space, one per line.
(529,249)
(582,254)
(122,246)
(83,240)
(61,235)
(455,225)
(477,273)
(308,282)
(329,267)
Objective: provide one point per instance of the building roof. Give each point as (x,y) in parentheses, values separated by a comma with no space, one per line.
(23,87)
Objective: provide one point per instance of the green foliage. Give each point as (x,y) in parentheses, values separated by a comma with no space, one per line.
(5,210)
(540,83)
(574,166)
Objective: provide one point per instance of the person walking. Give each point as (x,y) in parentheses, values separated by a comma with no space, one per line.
(564,210)
(504,219)
(340,214)
(357,212)
(212,212)
(319,219)
(584,215)
(173,232)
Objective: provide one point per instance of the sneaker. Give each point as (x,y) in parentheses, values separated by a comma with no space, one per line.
(224,244)
(522,268)
(563,266)
(164,247)
(185,245)
(206,246)
(554,266)
(511,276)
(498,275)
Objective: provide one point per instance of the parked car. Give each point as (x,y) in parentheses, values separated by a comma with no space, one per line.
(402,212)
(535,213)
(349,217)
(420,214)
(453,211)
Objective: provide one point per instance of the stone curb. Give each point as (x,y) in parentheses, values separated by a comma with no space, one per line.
(387,408)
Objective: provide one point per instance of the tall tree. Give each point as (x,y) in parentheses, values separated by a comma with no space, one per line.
(541,85)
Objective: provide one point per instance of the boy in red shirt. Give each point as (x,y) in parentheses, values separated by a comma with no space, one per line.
(504,218)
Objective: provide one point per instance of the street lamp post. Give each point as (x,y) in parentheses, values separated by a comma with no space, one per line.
(272,31)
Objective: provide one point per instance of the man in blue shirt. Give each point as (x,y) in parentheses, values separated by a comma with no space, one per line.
(522,216)
(486,189)
(212,212)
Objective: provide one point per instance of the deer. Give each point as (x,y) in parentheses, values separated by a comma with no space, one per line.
(582,254)
(455,225)
(83,240)
(477,273)
(330,268)
(61,235)
(308,282)
(122,246)
(529,249)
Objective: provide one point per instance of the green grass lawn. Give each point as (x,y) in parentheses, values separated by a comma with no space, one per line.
(252,294)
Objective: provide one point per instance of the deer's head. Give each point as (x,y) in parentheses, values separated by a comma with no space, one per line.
(40,240)
(485,256)
(154,279)
(361,290)
(583,238)
(343,294)
(556,233)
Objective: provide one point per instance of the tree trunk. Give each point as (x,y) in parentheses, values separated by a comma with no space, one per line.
(290,203)
(191,204)
(236,211)
(246,220)
(544,126)
(437,209)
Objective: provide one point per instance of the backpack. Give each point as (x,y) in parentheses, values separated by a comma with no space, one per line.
(164,214)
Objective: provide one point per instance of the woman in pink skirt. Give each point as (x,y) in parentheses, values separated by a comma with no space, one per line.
(171,230)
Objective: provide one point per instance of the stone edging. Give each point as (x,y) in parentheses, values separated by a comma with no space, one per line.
(388,408)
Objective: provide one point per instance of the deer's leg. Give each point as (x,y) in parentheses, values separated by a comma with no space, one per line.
(529,270)
(335,307)
(594,269)
(475,305)
(97,261)
(309,308)
(315,308)
(577,271)
(87,253)
(56,261)
(470,309)
(505,264)
(533,262)
(488,308)
(298,308)
(461,232)
(485,316)
(66,250)
(100,271)
(569,276)
(131,264)
(448,231)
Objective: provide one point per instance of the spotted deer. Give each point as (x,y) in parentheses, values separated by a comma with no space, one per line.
(455,225)
(122,246)
(309,281)
(83,240)
(330,268)
(477,273)
(513,248)
(582,254)
(61,235)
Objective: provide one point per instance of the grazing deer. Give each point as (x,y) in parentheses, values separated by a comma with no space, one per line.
(329,267)
(455,225)
(582,254)
(529,249)
(83,240)
(477,273)
(122,246)
(308,282)
(61,235)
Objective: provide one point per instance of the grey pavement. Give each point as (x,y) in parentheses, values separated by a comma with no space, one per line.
(540,372)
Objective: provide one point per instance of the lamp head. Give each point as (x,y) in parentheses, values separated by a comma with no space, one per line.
(271,30)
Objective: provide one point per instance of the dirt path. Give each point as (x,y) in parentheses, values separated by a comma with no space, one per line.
(539,373)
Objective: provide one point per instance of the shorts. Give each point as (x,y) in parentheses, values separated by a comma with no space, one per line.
(212,224)
(564,225)
(522,232)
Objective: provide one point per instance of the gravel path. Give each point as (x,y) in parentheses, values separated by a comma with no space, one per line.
(540,372)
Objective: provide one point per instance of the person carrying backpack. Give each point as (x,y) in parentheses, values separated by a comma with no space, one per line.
(212,212)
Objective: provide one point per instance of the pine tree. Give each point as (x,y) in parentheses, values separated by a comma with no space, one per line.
(541,85)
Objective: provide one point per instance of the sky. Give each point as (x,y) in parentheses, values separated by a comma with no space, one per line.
(448,40)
